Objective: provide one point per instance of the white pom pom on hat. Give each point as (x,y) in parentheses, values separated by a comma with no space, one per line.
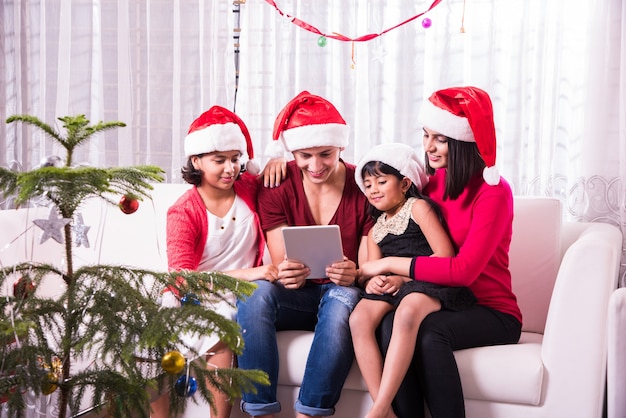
(309,121)
(219,129)
(464,114)
(400,156)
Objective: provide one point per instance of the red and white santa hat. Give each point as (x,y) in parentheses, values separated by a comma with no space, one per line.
(400,156)
(310,121)
(464,114)
(219,129)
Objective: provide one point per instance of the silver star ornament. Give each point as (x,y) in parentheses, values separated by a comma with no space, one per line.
(80,229)
(52,227)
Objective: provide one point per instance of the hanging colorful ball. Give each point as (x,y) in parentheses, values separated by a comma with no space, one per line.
(426,23)
(173,362)
(322,41)
(49,383)
(190,298)
(184,387)
(128,204)
(23,287)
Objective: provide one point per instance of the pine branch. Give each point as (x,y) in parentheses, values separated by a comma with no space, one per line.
(35,121)
(77,129)
(8,181)
(112,314)
(68,187)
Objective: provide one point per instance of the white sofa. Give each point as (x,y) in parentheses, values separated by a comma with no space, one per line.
(563,274)
(616,374)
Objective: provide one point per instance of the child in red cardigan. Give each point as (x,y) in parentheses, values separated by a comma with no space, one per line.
(214,226)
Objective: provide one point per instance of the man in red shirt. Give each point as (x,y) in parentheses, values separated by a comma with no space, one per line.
(319,189)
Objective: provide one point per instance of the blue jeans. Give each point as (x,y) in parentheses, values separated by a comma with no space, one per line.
(323,308)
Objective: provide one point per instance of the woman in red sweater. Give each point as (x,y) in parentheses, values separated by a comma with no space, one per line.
(460,147)
(214,226)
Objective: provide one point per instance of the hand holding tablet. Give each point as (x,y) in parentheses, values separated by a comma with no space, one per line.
(316,246)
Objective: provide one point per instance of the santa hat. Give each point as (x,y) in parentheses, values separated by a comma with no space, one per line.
(219,129)
(402,157)
(465,114)
(310,121)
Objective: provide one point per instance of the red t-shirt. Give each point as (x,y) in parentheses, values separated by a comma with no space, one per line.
(288,205)
(480,221)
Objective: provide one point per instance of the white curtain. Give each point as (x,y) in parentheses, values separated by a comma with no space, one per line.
(556,71)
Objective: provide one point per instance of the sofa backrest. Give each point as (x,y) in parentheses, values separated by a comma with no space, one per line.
(138,240)
(535,256)
(135,240)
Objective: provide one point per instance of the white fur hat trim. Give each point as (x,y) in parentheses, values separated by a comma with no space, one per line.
(217,137)
(445,123)
(400,156)
(320,135)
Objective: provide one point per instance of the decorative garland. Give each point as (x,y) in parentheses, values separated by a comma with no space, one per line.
(426,23)
(337,36)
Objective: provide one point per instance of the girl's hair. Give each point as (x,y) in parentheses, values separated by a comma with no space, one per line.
(464,161)
(377,169)
(190,174)
(193,176)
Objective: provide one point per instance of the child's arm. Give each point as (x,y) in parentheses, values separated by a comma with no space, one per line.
(436,235)
(268,272)
(373,253)
(274,172)
(373,250)
(380,284)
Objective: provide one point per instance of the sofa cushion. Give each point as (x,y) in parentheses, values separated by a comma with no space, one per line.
(487,373)
(293,348)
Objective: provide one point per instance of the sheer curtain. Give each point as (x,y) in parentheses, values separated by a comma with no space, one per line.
(555,71)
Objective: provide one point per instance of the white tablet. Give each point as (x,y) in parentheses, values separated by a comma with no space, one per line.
(315,246)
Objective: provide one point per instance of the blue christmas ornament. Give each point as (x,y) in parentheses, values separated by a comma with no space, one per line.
(191,298)
(184,387)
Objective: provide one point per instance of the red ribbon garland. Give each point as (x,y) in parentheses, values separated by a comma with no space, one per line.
(340,37)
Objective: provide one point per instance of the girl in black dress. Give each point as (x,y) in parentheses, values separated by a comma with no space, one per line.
(407,224)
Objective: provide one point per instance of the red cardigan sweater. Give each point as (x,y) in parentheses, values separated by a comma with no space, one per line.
(187,225)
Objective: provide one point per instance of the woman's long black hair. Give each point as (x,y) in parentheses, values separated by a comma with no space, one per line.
(464,161)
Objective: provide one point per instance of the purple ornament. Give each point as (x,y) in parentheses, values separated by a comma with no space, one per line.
(426,23)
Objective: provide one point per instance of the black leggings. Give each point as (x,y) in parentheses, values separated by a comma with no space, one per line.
(433,375)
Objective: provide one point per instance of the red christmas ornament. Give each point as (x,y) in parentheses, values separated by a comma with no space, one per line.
(4,397)
(128,204)
(23,287)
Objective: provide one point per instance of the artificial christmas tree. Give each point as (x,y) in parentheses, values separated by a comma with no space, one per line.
(109,314)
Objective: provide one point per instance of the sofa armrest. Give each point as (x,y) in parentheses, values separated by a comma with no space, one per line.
(575,339)
(616,372)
